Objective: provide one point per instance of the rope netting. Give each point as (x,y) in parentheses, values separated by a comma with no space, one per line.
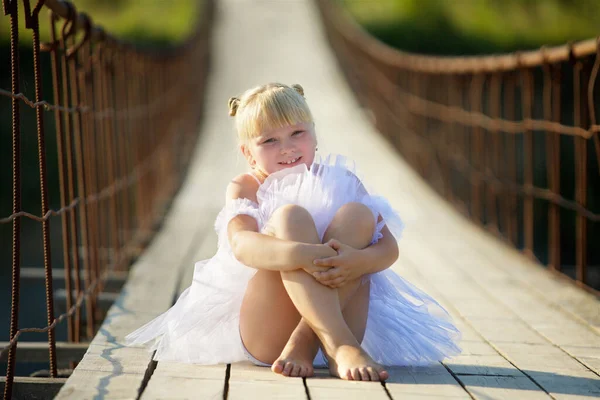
(512,140)
(125,120)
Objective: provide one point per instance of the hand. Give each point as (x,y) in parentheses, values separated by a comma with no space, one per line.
(315,251)
(343,268)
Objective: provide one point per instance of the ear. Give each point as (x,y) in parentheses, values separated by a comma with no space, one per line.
(247,154)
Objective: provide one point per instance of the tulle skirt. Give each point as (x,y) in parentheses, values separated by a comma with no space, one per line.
(405,326)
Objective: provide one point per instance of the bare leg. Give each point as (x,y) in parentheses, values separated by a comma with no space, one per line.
(267,316)
(354,298)
(303,344)
(322,307)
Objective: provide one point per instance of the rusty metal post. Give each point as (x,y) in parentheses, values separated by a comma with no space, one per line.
(62,174)
(11,7)
(527,104)
(580,116)
(495,153)
(551,107)
(476,151)
(32,22)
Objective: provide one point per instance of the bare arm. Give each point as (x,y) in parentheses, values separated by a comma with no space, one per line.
(261,251)
(380,255)
(350,263)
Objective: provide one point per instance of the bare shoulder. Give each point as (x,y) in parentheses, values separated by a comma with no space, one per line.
(242,186)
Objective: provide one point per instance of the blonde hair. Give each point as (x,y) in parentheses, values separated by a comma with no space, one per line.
(268,107)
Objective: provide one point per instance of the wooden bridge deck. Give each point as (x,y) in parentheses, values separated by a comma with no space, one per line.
(527,334)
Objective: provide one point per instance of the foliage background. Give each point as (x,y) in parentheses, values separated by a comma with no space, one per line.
(467,27)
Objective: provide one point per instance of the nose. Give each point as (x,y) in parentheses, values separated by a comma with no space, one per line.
(286,147)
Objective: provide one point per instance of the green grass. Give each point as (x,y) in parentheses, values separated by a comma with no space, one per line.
(154,22)
(455,27)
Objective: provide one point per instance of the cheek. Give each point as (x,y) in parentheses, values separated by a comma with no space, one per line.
(264,153)
(308,144)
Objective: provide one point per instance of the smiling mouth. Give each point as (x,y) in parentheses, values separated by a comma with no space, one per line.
(292,161)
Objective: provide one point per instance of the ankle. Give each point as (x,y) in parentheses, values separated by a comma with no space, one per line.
(305,334)
(332,346)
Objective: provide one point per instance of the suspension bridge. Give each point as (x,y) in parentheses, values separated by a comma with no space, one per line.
(146,150)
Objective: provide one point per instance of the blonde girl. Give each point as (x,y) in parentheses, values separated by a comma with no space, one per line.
(300,278)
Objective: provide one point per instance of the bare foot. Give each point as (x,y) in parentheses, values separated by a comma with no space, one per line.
(297,357)
(353,364)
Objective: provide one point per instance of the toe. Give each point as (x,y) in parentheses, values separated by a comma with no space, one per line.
(356,374)
(287,369)
(277,367)
(307,371)
(373,374)
(295,371)
(348,375)
(383,374)
(364,374)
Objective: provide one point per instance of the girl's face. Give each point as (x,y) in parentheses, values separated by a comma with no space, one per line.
(281,148)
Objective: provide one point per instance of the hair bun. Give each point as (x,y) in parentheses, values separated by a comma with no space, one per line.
(234,103)
(298,89)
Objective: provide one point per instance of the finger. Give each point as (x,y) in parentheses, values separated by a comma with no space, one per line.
(338,281)
(321,278)
(331,273)
(326,262)
(328,282)
(312,269)
(334,244)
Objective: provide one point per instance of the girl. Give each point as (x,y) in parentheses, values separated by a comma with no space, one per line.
(300,277)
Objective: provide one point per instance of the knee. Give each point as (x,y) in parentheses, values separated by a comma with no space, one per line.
(355,215)
(353,224)
(291,216)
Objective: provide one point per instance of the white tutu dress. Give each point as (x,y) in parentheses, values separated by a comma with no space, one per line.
(405,326)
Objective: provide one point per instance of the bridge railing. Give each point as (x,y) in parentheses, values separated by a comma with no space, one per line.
(512,140)
(125,120)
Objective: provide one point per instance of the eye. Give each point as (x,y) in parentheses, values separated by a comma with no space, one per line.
(296,133)
(270,140)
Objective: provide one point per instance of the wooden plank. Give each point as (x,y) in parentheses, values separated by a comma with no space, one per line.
(503,388)
(507,330)
(88,384)
(324,386)
(554,289)
(186,381)
(109,369)
(541,317)
(27,388)
(493,364)
(484,373)
(175,387)
(588,355)
(424,382)
(248,381)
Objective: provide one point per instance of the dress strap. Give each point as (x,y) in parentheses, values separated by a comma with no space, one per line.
(255,178)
